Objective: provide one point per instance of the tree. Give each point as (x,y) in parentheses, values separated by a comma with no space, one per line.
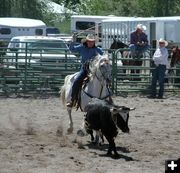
(5,8)
(159,7)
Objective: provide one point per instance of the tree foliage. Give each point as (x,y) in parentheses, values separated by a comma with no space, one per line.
(142,8)
(37,9)
(22,8)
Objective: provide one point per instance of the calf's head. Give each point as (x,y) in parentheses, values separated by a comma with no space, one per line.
(121,117)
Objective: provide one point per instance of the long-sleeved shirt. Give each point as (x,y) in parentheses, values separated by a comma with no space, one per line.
(161,56)
(134,38)
(85,52)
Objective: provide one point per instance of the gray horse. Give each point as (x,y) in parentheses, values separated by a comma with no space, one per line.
(97,87)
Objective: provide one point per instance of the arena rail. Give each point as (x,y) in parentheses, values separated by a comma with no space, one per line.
(36,76)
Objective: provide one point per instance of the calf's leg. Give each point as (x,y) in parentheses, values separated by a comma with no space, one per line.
(112,147)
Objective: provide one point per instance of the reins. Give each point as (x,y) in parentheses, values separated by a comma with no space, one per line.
(101,98)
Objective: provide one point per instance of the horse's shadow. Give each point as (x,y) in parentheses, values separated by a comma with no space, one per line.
(121,156)
(104,148)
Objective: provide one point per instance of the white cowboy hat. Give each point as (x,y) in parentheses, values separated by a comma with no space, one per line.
(90,37)
(141,27)
(163,41)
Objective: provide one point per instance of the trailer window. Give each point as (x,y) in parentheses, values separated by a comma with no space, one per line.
(5,31)
(39,32)
(85,25)
(52,30)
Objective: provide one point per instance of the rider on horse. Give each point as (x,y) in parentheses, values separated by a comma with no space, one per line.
(87,51)
(138,41)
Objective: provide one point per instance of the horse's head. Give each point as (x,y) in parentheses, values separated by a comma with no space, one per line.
(101,67)
(117,44)
(175,55)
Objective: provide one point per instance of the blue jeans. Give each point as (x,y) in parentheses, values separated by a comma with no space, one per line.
(158,74)
(137,50)
(78,83)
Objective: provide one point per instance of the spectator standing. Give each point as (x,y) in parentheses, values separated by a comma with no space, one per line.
(160,59)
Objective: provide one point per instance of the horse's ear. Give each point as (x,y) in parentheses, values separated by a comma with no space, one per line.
(173,49)
(119,41)
(114,39)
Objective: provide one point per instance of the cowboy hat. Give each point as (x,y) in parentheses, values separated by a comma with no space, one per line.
(90,37)
(141,27)
(163,41)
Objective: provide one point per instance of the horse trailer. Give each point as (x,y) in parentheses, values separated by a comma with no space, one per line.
(86,24)
(156,28)
(11,27)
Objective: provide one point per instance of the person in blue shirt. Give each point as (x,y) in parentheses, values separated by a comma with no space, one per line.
(87,51)
(160,59)
(138,41)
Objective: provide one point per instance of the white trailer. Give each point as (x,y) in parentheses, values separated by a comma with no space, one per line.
(87,24)
(11,27)
(157,27)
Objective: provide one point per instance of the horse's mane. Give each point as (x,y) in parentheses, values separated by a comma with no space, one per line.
(95,63)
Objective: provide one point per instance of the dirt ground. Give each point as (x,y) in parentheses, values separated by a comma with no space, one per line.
(29,142)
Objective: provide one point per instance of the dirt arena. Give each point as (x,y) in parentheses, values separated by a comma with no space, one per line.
(29,142)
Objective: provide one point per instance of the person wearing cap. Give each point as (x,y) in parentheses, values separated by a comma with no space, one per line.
(87,50)
(138,41)
(160,59)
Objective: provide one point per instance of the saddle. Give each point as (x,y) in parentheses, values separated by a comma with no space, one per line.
(137,55)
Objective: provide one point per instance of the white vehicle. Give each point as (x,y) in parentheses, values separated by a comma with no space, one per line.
(86,24)
(11,27)
(38,50)
(156,28)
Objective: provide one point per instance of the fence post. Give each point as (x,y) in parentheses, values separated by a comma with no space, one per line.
(25,72)
(114,72)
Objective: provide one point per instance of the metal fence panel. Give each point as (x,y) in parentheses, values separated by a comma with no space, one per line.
(46,77)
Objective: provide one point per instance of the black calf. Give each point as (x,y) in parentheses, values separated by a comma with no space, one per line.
(105,117)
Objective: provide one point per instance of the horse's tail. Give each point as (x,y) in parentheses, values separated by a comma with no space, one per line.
(65,89)
(62,94)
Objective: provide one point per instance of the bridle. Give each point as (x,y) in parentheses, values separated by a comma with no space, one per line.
(101,78)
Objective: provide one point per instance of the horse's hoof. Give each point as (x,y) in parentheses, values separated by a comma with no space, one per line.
(116,156)
(69,130)
(109,154)
(80,133)
(69,104)
(100,144)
